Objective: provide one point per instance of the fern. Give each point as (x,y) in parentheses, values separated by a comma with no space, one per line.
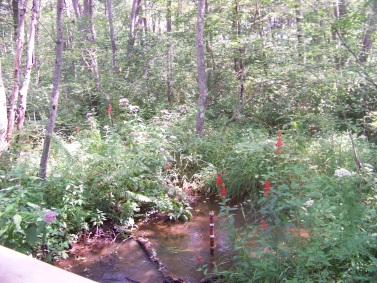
(138,197)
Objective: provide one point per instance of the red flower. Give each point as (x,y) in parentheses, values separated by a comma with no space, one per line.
(109,108)
(168,166)
(219,180)
(263,224)
(223,192)
(279,143)
(266,188)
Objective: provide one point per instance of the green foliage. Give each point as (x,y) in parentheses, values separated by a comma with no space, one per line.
(25,226)
(314,223)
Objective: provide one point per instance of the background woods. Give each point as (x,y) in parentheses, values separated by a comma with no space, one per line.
(158,96)
(289,59)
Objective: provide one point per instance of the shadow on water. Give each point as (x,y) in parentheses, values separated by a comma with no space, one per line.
(182,248)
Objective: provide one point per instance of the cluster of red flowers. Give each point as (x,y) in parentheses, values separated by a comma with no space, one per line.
(279,143)
(266,188)
(263,224)
(219,182)
(109,108)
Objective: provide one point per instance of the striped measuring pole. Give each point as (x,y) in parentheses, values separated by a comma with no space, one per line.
(212,232)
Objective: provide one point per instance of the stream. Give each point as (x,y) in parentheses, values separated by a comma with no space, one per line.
(181,248)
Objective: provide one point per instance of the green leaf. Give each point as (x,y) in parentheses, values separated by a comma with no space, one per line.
(31,234)
(17,221)
(10,207)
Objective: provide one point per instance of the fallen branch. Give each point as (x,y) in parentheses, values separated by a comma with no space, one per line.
(151,253)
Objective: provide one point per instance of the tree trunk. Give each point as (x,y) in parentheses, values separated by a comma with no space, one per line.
(134,20)
(88,15)
(91,37)
(340,10)
(3,115)
(77,8)
(16,69)
(55,90)
(238,61)
(300,32)
(199,40)
(367,42)
(29,64)
(112,36)
(169,53)
(15,17)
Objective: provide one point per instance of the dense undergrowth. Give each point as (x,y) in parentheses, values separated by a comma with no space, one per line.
(113,174)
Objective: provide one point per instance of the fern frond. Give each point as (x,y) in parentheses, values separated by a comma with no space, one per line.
(138,197)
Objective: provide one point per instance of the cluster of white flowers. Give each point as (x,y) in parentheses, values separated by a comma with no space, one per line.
(342,172)
(133,108)
(123,101)
(309,203)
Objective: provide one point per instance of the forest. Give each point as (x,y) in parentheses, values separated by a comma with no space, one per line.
(114,110)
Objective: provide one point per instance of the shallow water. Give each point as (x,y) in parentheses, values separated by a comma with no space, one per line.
(182,248)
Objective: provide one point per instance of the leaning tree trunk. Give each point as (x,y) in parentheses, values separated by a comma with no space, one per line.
(55,90)
(199,39)
(3,115)
(29,64)
(16,69)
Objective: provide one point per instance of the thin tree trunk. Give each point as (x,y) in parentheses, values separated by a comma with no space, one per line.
(367,42)
(15,17)
(143,19)
(55,90)
(112,36)
(134,20)
(340,9)
(91,37)
(199,40)
(16,69)
(76,8)
(3,115)
(300,32)
(29,64)
(169,53)
(238,61)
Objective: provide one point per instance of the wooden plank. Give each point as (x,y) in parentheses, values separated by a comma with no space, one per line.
(19,268)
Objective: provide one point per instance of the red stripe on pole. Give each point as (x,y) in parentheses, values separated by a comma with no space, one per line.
(212,232)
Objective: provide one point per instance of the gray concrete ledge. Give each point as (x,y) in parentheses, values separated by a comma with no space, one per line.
(19,268)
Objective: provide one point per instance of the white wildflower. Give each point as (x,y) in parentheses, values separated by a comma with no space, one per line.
(123,101)
(309,203)
(134,108)
(342,172)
